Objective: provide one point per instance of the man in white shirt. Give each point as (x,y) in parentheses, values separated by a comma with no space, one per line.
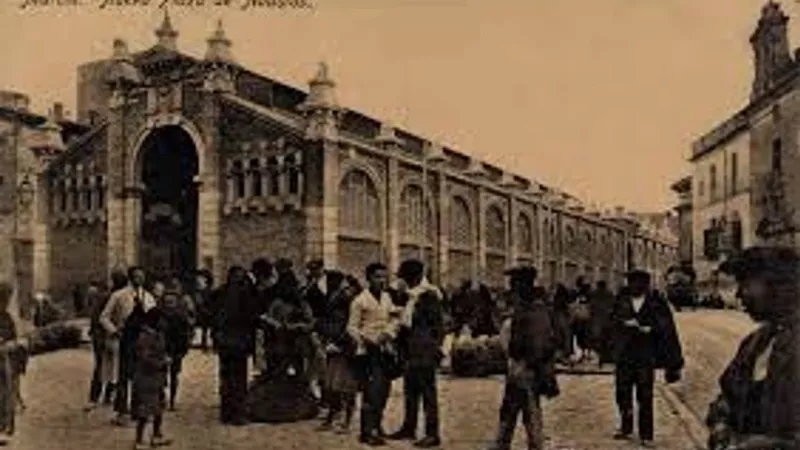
(372,325)
(119,321)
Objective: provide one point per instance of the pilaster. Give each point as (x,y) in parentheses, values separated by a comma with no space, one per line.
(479,265)
(392,236)
(512,231)
(443,236)
(209,188)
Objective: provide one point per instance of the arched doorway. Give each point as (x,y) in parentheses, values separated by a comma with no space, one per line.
(167,168)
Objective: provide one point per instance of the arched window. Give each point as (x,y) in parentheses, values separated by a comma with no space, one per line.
(416,218)
(460,224)
(495,229)
(524,234)
(588,245)
(359,205)
(274,176)
(569,239)
(292,173)
(255,178)
(546,235)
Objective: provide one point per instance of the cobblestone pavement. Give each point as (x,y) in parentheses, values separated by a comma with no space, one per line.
(583,417)
(710,339)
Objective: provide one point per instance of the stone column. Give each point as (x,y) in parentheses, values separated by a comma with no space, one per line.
(392,234)
(512,234)
(479,231)
(115,207)
(210,188)
(321,199)
(443,236)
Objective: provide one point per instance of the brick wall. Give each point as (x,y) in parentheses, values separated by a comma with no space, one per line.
(77,255)
(274,235)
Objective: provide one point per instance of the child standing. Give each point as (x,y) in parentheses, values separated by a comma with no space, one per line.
(179,318)
(150,379)
(341,380)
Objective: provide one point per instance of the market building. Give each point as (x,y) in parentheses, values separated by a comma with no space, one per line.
(181,162)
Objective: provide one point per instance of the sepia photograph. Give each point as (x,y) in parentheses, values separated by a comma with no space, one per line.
(451,224)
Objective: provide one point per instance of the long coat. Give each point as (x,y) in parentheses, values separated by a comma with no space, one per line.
(659,349)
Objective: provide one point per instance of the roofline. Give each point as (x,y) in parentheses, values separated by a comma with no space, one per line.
(740,121)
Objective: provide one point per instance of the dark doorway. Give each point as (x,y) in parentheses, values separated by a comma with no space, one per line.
(169,203)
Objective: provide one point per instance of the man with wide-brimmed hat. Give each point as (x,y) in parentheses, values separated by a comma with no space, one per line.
(531,345)
(645,339)
(759,403)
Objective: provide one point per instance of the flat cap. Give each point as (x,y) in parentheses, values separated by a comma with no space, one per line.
(761,259)
(524,272)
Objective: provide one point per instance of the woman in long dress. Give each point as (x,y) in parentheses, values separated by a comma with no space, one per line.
(341,380)
(282,393)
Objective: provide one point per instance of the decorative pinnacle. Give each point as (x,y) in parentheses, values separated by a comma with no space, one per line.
(219,46)
(166,29)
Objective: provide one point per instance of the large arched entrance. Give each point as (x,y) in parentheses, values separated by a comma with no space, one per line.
(168,167)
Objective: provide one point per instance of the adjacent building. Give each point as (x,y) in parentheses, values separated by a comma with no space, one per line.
(744,189)
(184,162)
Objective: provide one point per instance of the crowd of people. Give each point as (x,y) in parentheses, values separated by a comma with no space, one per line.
(321,343)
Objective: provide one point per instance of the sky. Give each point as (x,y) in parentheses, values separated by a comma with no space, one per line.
(601,98)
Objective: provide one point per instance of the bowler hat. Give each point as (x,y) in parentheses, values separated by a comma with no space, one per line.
(638,275)
(761,259)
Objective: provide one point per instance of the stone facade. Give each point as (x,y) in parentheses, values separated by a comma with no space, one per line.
(745,190)
(279,172)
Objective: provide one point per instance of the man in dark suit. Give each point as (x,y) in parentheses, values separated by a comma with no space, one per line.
(421,336)
(234,318)
(645,340)
(759,402)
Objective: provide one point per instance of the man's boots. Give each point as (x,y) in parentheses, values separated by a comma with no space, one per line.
(505,434)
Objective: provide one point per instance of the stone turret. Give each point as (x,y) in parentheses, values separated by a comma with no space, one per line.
(475,169)
(167,35)
(387,137)
(219,46)
(770,42)
(434,153)
(321,107)
(121,74)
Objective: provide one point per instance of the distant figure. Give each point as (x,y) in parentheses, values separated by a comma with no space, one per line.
(759,402)
(601,306)
(179,320)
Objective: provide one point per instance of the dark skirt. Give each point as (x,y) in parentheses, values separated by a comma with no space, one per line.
(340,374)
(281,400)
(148,398)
